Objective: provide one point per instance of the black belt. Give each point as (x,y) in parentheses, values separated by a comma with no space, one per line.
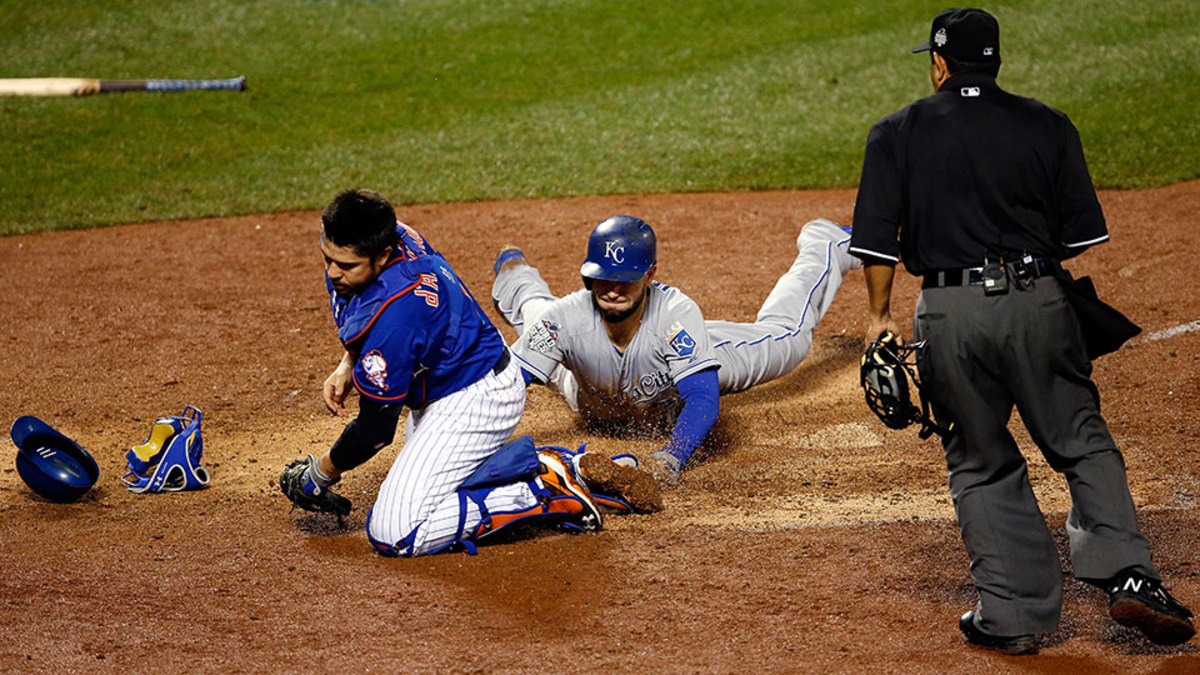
(973,276)
(502,362)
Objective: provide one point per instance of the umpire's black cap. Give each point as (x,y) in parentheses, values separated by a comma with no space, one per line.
(964,34)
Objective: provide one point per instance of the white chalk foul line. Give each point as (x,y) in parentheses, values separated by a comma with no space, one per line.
(776,525)
(1170,332)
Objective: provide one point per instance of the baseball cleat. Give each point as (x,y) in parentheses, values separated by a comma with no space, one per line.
(509,256)
(614,503)
(560,480)
(1005,644)
(1140,602)
(619,486)
(626,459)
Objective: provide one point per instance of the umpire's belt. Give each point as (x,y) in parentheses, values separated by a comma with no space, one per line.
(973,276)
(501,363)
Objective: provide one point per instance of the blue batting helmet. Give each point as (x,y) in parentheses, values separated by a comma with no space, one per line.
(53,465)
(621,248)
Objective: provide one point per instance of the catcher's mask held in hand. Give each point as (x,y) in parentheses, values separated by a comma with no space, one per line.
(886,367)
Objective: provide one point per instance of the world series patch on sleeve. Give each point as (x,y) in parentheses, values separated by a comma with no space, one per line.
(542,337)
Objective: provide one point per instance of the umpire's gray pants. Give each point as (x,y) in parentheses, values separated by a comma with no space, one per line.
(983,355)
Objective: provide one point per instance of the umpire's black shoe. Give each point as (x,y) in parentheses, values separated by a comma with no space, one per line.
(1141,602)
(1005,644)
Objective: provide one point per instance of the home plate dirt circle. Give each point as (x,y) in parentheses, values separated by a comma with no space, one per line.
(808,536)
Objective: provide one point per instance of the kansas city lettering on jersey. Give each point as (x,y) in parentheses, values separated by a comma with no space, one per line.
(649,385)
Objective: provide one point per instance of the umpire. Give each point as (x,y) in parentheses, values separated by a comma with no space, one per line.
(982,193)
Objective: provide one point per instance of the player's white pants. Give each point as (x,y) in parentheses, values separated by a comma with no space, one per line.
(749,353)
(781,335)
(418,507)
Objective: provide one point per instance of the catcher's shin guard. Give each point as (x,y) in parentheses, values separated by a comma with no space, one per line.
(569,510)
(561,478)
(562,497)
(559,507)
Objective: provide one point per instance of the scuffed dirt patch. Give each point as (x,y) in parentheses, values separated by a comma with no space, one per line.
(809,538)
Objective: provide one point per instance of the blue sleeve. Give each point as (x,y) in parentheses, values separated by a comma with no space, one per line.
(528,377)
(701,403)
(384,370)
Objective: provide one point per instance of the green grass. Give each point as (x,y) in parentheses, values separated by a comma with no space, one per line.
(446,100)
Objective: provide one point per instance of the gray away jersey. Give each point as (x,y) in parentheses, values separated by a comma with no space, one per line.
(634,389)
(608,388)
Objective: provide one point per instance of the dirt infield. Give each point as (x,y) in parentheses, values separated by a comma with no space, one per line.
(810,537)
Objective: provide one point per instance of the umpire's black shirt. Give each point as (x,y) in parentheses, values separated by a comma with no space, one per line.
(973,172)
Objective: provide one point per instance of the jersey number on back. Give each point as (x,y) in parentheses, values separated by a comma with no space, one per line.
(428,289)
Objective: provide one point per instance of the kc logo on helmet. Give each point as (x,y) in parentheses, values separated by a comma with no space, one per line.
(615,252)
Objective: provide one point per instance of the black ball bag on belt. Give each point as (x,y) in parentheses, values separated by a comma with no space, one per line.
(1104,328)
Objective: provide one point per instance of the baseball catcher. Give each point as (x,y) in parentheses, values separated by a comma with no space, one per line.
(416,339)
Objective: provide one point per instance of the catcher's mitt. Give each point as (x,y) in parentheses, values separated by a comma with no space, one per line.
(297,484)
(886,367)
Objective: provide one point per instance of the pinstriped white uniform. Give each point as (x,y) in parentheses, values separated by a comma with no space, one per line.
(445,442)
(748,353)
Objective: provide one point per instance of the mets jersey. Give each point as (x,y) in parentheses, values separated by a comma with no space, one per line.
(418,333)
(634,389)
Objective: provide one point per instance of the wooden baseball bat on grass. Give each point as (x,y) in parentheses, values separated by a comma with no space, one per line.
(82,86)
